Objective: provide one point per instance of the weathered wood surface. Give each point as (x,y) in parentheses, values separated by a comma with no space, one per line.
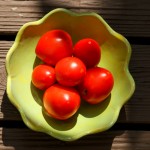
(23,139)
(130,18)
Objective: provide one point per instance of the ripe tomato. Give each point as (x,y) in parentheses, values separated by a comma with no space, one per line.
(70,71)
(88,50)
(53,46)
(96,85)
(43,76)
(61,102)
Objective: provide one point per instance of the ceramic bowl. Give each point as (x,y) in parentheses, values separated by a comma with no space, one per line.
(21,60)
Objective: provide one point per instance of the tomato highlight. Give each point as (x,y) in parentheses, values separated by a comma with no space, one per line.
(96,85)
(43,76)
(53,46)
(61,102)
(70,71)
(89,51)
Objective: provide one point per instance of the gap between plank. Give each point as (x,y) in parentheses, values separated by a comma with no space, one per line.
(131,39)
(117,126)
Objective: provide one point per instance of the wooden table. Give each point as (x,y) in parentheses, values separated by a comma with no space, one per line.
(132,130)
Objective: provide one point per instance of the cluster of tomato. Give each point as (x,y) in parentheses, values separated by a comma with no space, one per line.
(69,73)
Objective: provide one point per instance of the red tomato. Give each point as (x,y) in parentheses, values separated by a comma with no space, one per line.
(70,71)
(43,76)
(88,50)
(53,46)
(96,85)
(61,102)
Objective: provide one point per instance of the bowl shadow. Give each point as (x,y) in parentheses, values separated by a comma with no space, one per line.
(17,135)
(37,94)
(61,125)
(89,111)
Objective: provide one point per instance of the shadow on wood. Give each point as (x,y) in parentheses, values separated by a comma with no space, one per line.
(8,110)
(23,139)
(17,136)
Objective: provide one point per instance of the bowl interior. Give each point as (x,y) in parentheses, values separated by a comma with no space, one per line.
(22,59)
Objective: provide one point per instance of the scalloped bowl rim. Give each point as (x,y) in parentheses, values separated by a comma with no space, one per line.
(40,21)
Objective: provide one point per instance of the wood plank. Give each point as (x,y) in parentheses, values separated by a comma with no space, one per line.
(139,104)
(128,18)
(116,5)
(113,140)
(9,111)
(135,110)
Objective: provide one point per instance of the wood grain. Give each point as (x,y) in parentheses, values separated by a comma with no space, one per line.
(135,110)
(5,106)
(23,139)
(128,18)
(140,70)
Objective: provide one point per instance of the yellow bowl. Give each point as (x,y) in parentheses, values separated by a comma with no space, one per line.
(21,60)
